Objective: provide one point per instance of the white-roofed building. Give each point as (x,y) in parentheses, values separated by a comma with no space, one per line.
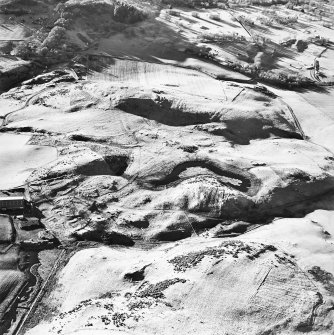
(12,202)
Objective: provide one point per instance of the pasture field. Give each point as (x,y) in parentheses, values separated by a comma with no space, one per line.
(19,159)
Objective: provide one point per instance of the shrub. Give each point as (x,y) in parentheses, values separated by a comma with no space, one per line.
(301,45)
(28,48)
(266,21)
(319,40)
(285,20)
(6,47)
(214,16)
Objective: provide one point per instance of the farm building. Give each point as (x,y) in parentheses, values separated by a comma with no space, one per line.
(10,203)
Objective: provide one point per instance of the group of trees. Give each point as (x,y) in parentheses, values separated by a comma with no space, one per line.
(53,44)
(192,3)
(41,45)
(119,11)
(275,77)
(271,17)
(127,13)
(216,3)
(222,38)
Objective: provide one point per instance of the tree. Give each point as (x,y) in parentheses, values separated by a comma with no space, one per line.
(54,38)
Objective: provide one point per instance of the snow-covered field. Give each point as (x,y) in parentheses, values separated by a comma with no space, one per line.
(18,159)
(187,198)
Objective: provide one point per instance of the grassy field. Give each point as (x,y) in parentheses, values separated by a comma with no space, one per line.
(12,32)
(18,159)
(6,229)
(11,281)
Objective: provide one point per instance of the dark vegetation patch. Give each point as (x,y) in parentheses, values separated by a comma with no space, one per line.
(109,295)
(300,176)
(257,71)
(119,319)
(156,290)
(232,248)
(189,148)
(279,78)
(324,277)
(77,308)
(183,262)
(25,129)
(264,249)
(286,259)
(139,304)
(109,307)
(105,319)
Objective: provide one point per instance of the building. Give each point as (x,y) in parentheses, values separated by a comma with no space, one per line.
(13,203)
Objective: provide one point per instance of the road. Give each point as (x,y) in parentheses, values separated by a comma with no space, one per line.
(38,295)
(25,105)
(23,288)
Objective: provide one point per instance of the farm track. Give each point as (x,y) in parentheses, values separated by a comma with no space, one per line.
(25,105)
(39,294)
